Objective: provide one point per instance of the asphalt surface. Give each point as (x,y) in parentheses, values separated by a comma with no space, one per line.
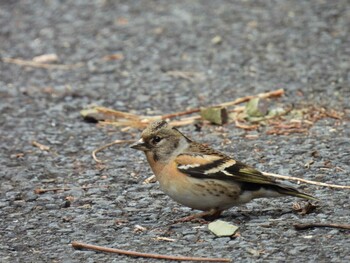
(300,46)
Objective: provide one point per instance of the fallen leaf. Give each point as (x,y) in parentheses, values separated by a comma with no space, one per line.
(222,229)
(256,108)
(216,115)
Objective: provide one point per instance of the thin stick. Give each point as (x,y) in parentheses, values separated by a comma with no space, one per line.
(34,64)
(79,245)
(306,226)
(42,191)
(270,94)
(306,181)
(94,152)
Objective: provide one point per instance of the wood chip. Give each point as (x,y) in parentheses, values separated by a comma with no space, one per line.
(40,146)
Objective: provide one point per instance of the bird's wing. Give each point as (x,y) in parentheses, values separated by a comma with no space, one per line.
(205,163)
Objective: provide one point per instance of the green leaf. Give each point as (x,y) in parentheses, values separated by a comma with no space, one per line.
(256,107)
(216,115)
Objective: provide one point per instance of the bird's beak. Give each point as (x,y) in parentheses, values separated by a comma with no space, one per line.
(139,145)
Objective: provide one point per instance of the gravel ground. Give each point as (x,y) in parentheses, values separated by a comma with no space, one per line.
(300,46)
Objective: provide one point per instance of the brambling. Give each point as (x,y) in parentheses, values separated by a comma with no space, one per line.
(202,178)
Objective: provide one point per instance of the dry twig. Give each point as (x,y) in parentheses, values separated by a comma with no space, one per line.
(29,63)
(290,178)
(79,245)
(42,191)
(94,152)
(311,225)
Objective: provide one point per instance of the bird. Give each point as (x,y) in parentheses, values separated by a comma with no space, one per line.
(199,177)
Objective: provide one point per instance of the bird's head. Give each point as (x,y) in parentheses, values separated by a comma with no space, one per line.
(164,141)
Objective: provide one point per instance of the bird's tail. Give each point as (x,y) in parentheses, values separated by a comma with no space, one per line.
(286,190)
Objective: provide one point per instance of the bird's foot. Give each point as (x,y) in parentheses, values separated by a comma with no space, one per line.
(203,217)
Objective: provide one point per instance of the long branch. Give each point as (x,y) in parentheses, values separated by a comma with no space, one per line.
(79,245)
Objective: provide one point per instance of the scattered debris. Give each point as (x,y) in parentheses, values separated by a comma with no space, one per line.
(42,190)
(17,155)
(255,114)
(42,147)
(280,128)
(308,164)
(108,116)
(222,229)
(304,209)
(121,221)
(216,40)
(69,198)
(245,126)
(138,229)
(254,252)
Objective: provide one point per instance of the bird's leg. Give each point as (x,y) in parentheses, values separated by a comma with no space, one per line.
(205,216)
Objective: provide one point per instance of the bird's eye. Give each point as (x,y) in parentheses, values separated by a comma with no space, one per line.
(156,139)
